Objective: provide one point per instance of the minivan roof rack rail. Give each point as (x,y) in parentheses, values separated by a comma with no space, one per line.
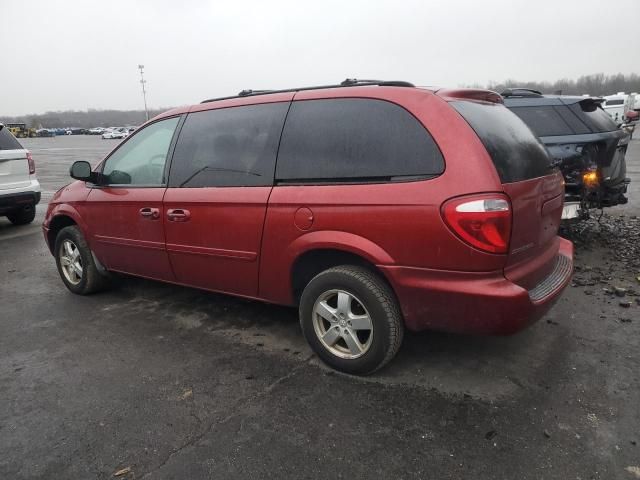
(349,82)
(520,92)
(246,93)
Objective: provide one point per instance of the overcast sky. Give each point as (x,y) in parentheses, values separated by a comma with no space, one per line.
(59,55)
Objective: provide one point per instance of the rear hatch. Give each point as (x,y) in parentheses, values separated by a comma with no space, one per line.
(535,189)
(579,135)
(609,142)
(14,165)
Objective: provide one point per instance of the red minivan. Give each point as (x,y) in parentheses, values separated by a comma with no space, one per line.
(371,206)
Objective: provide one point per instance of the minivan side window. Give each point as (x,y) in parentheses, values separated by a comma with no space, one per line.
(354,140)
(228,147)
(140,161)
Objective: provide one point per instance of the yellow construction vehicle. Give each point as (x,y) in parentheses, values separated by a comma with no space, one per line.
(20,130)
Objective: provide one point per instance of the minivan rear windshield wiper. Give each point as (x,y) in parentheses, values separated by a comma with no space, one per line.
(218,169)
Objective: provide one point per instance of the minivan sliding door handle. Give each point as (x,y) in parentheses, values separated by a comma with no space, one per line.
(178,215)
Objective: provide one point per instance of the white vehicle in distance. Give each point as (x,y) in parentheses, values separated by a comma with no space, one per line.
(97,131)
(618,105)
(115,133)
(19,187)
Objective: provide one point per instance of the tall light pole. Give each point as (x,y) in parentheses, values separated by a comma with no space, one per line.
(144,90)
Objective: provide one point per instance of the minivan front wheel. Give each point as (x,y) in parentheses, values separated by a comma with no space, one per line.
(351,319)
(75,263)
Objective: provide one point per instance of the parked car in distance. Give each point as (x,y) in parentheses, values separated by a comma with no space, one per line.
(371,206)
(114,133)
(584,142)
(19,187)
(76,131)
(45,132)
(97,131)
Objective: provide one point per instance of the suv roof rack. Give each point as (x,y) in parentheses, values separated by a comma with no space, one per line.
(520,92)
(349,82)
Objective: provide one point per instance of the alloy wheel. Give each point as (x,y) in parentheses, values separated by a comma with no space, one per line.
(71,262)
(343,324)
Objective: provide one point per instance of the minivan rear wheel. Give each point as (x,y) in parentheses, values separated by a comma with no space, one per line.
(76,264)
(351,319)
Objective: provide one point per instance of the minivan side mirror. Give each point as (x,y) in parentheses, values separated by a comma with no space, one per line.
(81,170)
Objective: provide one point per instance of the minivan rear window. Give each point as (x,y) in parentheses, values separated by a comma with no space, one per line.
(516,153)
(354,140)
(8,141)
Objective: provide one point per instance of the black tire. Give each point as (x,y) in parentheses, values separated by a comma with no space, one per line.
(23,216)
(378,300)
(91,280)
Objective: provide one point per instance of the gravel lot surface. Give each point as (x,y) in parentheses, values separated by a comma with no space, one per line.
(163,382)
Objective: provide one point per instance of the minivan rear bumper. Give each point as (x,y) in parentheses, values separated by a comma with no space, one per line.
(476,302)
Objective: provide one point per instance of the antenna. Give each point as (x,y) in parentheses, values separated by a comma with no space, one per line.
(144,90)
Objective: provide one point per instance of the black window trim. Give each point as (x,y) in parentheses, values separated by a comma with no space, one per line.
(374,180)
(172,144)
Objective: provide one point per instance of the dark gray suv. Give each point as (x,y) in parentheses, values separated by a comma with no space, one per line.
(584,142)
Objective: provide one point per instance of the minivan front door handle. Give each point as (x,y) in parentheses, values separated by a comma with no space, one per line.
(178,215)
(152,213)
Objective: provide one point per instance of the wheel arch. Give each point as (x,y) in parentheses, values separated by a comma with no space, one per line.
(316,251)
(60,217)
(57,223)
(314,261)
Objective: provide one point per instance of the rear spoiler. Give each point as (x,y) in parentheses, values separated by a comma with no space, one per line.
(590,104)
(469,94)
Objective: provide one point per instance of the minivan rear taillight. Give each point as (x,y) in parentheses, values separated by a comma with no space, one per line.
(32,164)
(483,221)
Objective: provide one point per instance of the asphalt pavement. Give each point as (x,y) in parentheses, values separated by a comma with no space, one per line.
(163,382)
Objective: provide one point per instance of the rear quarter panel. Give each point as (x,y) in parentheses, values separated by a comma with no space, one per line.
(386,223)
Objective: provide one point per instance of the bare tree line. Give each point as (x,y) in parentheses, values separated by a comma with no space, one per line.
(596,84)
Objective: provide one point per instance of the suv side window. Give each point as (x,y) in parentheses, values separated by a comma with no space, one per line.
(354,140)
(228,147)
(141,160)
